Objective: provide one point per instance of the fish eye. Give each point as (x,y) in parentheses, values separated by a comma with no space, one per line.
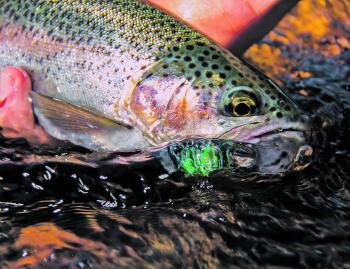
(242,105)
(239,102)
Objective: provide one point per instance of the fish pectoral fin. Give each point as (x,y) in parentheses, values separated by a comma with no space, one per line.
(70,117)
(65,121)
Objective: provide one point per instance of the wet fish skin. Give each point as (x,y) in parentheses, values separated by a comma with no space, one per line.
(88,54)
(139,67)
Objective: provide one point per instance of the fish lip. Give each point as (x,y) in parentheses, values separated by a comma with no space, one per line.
(233,130)
(262,130)
(272,132)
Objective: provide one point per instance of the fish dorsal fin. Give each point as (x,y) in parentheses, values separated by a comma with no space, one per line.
(65,121)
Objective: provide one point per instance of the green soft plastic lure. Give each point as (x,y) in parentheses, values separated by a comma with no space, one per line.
(200,161)
(203,157)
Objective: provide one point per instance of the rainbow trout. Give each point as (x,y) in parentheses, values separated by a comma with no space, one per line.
(120,75)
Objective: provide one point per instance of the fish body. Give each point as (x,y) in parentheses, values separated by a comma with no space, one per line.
(121,75)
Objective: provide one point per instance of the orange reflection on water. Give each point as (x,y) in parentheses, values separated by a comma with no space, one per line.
(41,240)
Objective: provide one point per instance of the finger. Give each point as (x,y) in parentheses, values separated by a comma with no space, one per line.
(16,115)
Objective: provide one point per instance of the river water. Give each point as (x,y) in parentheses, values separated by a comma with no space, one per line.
(58,212)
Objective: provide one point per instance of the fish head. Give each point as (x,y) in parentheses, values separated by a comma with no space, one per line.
(206,92)
(263,115)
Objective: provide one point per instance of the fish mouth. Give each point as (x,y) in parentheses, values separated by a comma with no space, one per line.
(286,132)
(281,147)
(254,132)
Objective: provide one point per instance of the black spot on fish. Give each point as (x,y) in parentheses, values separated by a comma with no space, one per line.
(209,74)
(191,65)
(197,73)
(187,58)
(206,52)
(222,75)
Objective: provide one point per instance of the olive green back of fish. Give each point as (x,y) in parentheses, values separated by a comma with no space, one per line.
(113,23)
